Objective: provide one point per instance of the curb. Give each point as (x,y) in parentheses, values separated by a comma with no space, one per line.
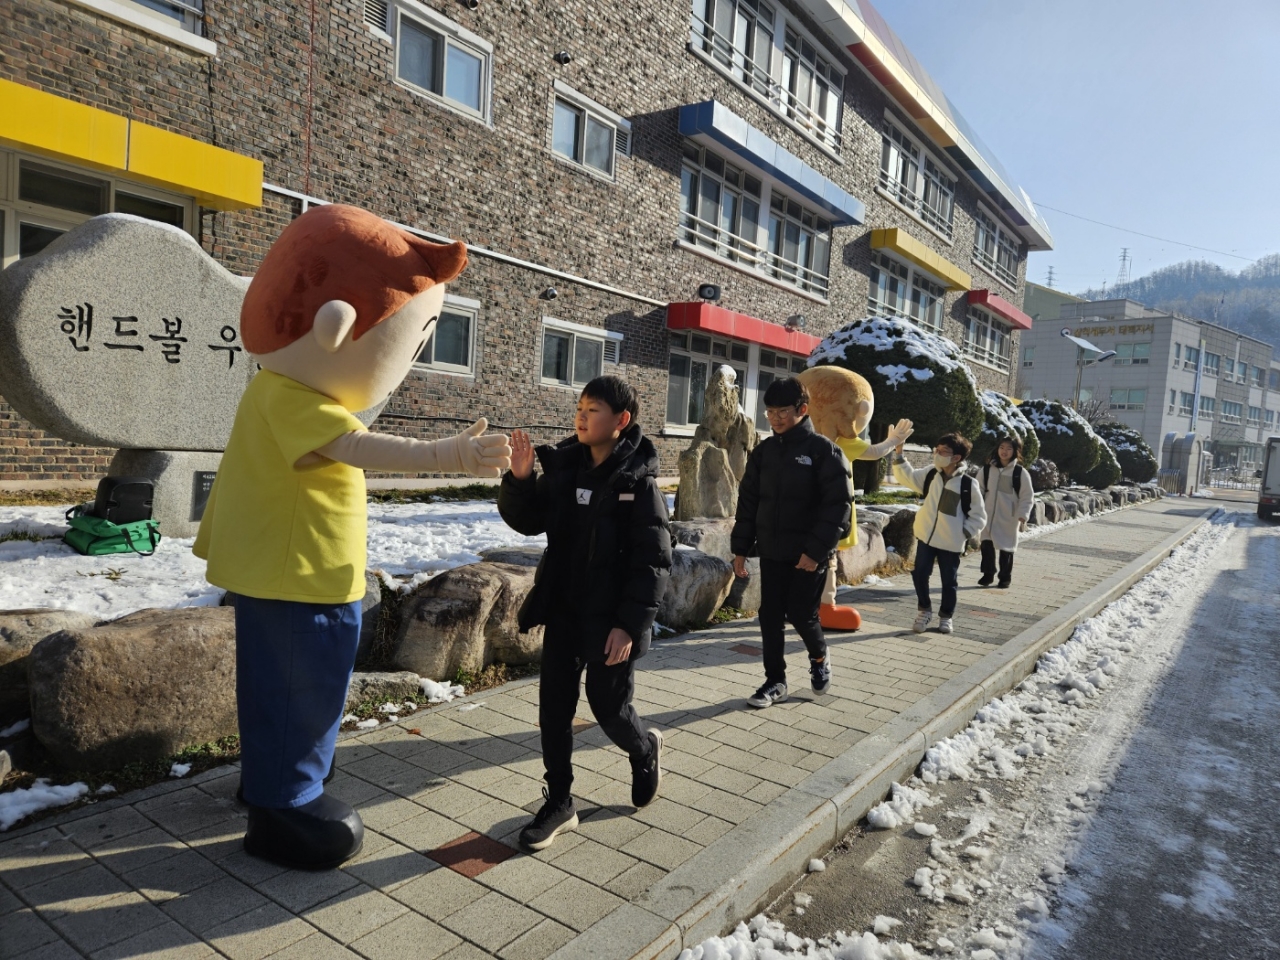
(750,865)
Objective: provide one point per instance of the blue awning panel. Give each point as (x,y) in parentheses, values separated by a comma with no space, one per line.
(718,122)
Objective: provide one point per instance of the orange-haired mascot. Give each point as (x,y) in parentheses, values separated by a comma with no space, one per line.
(840,407)
(336,315)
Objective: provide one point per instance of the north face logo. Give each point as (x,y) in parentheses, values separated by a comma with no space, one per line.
(804,460)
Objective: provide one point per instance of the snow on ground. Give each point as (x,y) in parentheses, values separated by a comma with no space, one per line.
(42,795)
(410,541)
(1124,650)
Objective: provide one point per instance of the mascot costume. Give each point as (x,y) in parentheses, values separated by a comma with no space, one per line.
(338,312)
(840,407)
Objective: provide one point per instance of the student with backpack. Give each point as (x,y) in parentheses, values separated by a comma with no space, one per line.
(1007,493)
(949,514)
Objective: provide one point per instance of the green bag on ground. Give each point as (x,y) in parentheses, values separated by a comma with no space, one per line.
(94,536)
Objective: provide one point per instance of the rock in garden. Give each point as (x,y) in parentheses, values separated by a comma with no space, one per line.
(393,687)
(854,563)
(520,556)
(711,536)
(138,688)
(899,533)
(465,619)
(20,630)
(698,586)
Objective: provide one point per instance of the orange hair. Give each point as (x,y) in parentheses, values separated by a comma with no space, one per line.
(337,252)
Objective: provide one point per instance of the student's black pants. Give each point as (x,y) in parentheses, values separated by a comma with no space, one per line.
(948,565)
(609,691)
(989,561)
(789,594)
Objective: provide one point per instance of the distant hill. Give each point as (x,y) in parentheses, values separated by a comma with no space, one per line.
(1250,299)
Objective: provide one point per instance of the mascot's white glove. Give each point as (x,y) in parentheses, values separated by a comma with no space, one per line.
(468,452)
(900,431)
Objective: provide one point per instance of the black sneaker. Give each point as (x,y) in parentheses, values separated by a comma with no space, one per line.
(986,581)
(1003,585)
(820,674)
(554,817)
(647,775)
(768,695)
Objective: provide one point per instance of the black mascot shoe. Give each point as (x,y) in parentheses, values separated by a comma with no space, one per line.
(318,835)
(333,768)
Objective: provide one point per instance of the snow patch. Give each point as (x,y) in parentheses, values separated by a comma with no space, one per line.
(41,795)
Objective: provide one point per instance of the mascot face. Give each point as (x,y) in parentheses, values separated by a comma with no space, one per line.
(359,373)
(840,401)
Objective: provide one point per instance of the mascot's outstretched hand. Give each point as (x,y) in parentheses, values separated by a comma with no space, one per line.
(901,431)
(477,454)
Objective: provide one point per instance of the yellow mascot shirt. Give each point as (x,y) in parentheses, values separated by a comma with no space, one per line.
(275,532)
(853,449)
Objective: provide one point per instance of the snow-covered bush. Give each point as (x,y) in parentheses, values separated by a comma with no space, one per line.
(1105,473)
(1044,475)
(914,373)
(1065,437)
(1137,460)
(1003,419)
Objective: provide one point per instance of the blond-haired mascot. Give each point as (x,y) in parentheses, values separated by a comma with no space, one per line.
(840,407)
(339,310)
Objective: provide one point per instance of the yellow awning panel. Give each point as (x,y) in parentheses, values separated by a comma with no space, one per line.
(909,248)
(61,128)
(217,178)
(55,127)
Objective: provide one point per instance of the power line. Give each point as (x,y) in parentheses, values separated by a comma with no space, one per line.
(1149,236)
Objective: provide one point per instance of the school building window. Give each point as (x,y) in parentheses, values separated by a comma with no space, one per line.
(1187,404)
(1132,353)
(899,290)
(189,14)
(451,346)
(1192,360)
(1255,416)
(773,366)
(1177,355)
(913,180)
(1271,419)
(574,354)
(1232,412)
(1206,408)
(1242,372)
(1134,398)
(1212,364)
(986,339)
(775,61)
(1028,356)
(587,134)
(1173,400)
(437,58)
(692,358)
(1258,377)
(41,200)
(742,219)
(995,249)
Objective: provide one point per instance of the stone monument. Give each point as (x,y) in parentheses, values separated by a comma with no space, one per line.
(124,333)
(712,466)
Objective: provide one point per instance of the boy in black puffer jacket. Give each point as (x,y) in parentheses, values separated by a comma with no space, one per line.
(598,586)
(793,509)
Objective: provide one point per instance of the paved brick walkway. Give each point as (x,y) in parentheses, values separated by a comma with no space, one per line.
(444,793)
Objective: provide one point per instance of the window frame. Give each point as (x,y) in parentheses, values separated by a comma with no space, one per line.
(1232,417)
(187,31)
(459,306)
(450,33)
(916,283)
(913,198)
(17,211)
(1215,368)
(1251,420)
(576,332)
(997,331)
(1125,354)
(1187,403)
(619,128)
(1207,405)
(1029,356)
(680,344)
(1127,403)
(1004,241)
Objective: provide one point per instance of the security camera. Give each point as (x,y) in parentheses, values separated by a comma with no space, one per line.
(472,4)
(563,57)
(709,291)
(796,322)
(550,293)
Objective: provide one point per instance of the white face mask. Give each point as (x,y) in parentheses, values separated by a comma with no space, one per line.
(941,462)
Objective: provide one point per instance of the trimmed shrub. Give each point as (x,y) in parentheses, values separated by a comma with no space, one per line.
(1044,475)
(1105,473)
(914,374)
(1065,437)
(1137,460)
(1003,418)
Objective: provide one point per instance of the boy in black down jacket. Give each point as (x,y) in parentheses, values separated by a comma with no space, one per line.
(598,585)
(793,508)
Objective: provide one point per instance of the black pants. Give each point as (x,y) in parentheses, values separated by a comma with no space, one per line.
(789,594)
(948,565)
(989,561)
(609,691)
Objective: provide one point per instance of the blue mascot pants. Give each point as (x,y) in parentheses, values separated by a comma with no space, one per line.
(293,667)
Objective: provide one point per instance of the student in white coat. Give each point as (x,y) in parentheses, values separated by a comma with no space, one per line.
(1008,494)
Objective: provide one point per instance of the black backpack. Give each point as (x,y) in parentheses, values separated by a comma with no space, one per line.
(1017,477)
(966,490)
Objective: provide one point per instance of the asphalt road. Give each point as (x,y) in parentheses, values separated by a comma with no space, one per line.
(1147,831)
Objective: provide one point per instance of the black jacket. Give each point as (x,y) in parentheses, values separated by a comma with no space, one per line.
(606,564)
(794,498)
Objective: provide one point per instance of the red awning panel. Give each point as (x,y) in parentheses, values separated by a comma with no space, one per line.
(712,319)
(1001,308)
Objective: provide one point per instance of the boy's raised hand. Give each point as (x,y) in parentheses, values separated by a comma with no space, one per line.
(521,455)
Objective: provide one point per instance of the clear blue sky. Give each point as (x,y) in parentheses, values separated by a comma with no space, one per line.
(1159,116)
